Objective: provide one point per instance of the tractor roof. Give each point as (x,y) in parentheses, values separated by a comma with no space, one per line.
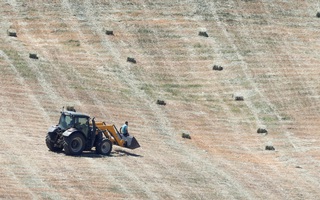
(75,114)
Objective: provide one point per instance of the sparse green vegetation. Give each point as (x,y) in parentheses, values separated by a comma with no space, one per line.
(145,31)
(263,107)
(171,85)
(169,35)
(72,42)
(269,118)
(198,45)
(235,109)
(147,88)
(20,64)
(286,117)
(173,91)
(126,92)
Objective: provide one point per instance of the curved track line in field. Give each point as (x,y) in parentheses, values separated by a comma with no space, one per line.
(252,83)
(44,53)
(255,87)
(75,28)
(222,175)
(297,145)
(244,67)
(47,88)
(22,82)
(162,121)
(131,81)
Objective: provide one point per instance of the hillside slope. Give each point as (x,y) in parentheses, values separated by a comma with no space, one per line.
(269,54)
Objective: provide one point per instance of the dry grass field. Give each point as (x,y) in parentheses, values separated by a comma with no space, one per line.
(269,51)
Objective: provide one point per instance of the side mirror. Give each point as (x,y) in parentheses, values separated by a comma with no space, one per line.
(93,125)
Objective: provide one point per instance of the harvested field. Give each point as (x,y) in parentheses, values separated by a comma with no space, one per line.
(269,53)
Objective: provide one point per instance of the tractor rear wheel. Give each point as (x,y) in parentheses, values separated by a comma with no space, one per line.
(51,145)
(104,147)
(74,144)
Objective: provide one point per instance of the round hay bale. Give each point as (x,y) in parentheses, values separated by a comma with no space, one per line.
(12,33)
(33,56)
(239,98)
(262,131)
(161,102)
(270,148)
(109,32)
(186,135)
(203,33)
(132,60)
(218,68)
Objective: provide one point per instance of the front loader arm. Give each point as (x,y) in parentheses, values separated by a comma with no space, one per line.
(111,132)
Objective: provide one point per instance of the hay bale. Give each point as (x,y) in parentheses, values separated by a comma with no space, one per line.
(186,135)
(161,102)
(132,60)
(318,14)
(71,108)
(216,67)
(12,33)
(203,33)
(270,148)
(239,98)
(262,131)
(33,56)
(109,32)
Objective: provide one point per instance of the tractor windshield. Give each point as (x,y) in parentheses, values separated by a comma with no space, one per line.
(66,121)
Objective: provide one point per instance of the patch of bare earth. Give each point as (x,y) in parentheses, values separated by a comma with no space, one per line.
(268,51)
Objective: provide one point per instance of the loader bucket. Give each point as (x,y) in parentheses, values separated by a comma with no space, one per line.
(132,143)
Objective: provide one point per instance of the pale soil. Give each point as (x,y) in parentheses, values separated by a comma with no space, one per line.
(269,51)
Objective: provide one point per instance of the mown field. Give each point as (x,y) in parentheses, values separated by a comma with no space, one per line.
(269,53)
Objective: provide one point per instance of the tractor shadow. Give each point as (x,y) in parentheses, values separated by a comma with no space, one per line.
(114,153)
(120,153)
(85,154)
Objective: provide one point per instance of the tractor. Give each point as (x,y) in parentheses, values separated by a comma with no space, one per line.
(77,132)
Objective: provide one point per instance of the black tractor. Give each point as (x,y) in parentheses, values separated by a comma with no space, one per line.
(75,134)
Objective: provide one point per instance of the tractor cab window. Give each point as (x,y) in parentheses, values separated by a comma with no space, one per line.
(66,121)
(82,124)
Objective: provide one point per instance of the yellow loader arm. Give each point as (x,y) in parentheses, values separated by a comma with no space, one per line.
(112,133)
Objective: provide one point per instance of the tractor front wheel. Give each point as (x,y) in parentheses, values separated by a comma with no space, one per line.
(74,144)
(104,147)
(51,144)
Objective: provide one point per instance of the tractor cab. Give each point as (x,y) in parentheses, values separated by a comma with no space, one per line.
(79,121)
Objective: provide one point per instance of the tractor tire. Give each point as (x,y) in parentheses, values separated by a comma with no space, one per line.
(51,145)
(74,144)
(104,147)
